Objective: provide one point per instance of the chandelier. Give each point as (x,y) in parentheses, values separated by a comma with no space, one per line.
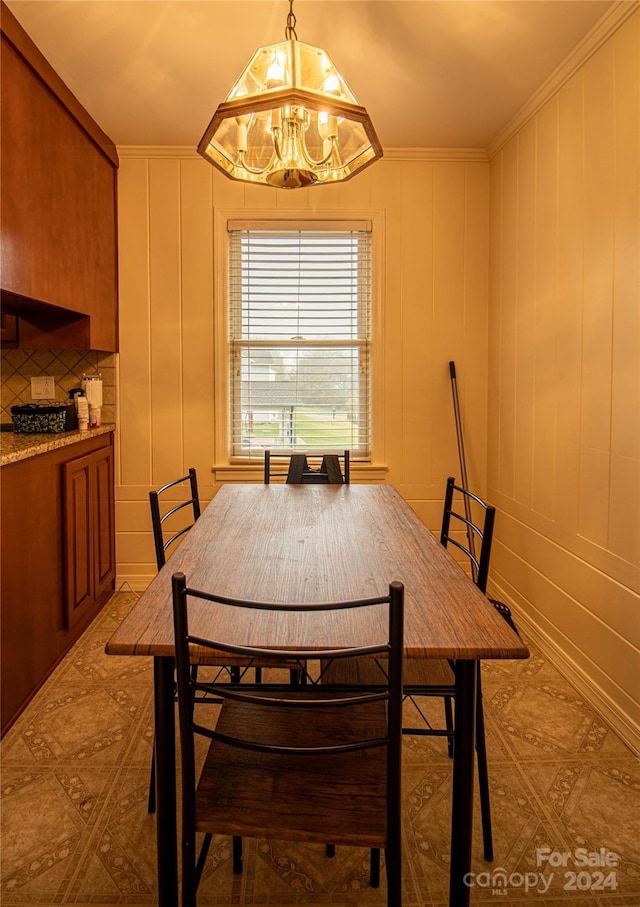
(290,121)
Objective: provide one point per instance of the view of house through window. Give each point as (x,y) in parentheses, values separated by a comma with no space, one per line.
(300,316)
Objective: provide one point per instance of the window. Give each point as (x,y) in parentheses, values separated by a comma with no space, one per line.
(300,337)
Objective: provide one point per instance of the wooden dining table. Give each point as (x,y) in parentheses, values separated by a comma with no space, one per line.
(319,543)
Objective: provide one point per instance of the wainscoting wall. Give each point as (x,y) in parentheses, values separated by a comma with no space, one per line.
(564,375)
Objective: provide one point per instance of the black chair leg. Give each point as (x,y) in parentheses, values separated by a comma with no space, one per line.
(374,872)
(189,882)
(298,676)
(483,775)
(394,874)
(330,850)
(236,845)
(448,715)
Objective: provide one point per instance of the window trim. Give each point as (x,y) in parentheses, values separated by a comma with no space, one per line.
(293,220)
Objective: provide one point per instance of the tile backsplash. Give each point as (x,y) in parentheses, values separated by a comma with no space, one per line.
(66,366)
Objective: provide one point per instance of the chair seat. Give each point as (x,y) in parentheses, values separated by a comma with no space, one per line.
(434,673)
(294,797)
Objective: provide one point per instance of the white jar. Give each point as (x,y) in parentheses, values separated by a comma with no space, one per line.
(92,387)
(83,413)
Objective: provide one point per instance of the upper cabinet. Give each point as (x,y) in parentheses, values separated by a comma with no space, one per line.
(58,208)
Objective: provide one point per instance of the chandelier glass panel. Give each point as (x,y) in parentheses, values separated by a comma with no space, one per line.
(290,121)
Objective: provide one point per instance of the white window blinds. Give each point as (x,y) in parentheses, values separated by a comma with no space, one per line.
(300,320)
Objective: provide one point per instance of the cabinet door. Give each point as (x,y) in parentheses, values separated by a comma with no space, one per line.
(79,533)
(88,531)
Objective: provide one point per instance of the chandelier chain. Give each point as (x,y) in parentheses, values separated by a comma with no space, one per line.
(290,30)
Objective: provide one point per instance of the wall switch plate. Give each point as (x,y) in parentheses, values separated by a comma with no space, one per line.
(43,388)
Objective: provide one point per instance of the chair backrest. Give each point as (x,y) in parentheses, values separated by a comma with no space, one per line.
(478,530)
(189,649)
(324,469)
(158,518)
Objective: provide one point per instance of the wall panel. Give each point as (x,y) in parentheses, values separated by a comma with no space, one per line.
(196,243)
(567,554)
(494,311)
(417,361)
(569,308)
(134,385)
(545,328)
(507,352)
(525,290)
(599,195)
(471,355)
(165,319)
(386,191)
(448,313)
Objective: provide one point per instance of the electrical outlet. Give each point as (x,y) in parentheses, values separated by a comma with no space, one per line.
(43,388)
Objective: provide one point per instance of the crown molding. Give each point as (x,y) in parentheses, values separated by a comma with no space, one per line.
(606,26)
(435,154)
(168,151)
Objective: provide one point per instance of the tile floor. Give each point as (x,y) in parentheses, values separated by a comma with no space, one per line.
(75,828)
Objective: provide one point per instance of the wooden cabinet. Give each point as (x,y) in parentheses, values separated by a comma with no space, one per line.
(57,517)
(87,487)
(59,228)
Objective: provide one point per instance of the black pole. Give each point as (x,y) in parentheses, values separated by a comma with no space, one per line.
(463,464)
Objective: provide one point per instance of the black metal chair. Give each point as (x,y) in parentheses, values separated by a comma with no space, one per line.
(158,519)
(338,749)
(162,545)
(467,524)
(169,524)
(296,469)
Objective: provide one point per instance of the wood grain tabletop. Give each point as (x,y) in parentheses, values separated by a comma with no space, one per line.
(315,543)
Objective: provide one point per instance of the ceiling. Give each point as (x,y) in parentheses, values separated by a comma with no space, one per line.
(431,73)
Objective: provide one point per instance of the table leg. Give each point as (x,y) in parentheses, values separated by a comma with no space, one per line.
(165,744)
(462,797)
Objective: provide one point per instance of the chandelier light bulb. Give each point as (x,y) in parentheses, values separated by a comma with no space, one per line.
(276,118)
(331,85)
(243,123)
(275,73)
(327,125)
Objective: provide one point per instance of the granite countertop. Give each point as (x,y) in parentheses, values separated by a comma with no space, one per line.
(21,446)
